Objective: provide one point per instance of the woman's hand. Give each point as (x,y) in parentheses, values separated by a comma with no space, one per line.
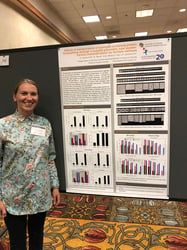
(56,196)
(2,210)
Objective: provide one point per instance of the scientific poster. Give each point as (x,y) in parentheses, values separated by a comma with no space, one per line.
(116,112)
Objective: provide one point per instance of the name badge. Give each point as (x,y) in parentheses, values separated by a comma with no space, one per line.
(38,130)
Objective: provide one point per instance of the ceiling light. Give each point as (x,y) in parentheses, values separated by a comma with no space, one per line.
(141,33)
(169,31)
(100,37)
(91,19)
(144,13)
(182,30)
(108,17)
(182,10)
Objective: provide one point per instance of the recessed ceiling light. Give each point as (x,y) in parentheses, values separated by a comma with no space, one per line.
(141,33)
(91,19)
(169,31)
(182,10)
(144,13)
(114,36)
(108,17)
(100,37)
(182,30)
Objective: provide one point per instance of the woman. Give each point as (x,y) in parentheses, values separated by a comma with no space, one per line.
(28,175)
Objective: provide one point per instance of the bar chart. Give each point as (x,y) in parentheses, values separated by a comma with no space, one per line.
(141,146)
(92,179)
(100,121)
(80,177)
(130,147)
(103,180)
(101,139)
(89,152)
(145,167)
(102,160)
(78,139)
(141,158)
(151,147)
(78,121)
(79,159)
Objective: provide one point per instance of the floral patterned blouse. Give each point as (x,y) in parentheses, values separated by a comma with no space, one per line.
(27,167)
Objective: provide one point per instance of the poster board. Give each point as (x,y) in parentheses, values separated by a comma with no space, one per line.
(115,101)
(41,64)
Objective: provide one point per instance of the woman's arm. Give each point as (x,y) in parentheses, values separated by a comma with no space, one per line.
(54,181)
(56,196)
(2,210)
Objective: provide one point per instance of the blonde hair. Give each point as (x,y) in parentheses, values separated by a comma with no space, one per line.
(18,84)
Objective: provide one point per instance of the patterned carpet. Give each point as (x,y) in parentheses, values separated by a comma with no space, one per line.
(68,234)
(87,222)
(120,209)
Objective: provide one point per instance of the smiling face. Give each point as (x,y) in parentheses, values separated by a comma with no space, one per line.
(26,98)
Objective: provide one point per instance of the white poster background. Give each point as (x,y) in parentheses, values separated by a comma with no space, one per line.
(79,65)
